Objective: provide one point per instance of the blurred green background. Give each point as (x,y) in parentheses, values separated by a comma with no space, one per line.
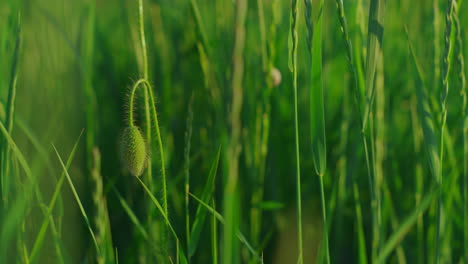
(78,60)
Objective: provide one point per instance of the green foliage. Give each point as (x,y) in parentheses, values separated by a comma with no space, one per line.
(226,111)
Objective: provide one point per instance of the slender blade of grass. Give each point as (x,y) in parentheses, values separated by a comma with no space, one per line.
(220,218)
(293,67)
(131,214)
(42,231)
(375,33)
(317,109)
(78,200)
(181,255)
(406,226)
(10,113)
(425,115)
(199,219)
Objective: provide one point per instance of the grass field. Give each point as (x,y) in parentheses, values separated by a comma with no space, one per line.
(233,131)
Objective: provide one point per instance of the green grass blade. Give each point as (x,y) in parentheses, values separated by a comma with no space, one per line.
(220,218)
(406,226)
(9,119)
(201,210)
(42,231)
(78,201)
(187,141)
(131,214)
(317,109)
(293,68)
(425,115)
(16,151)
(462,77)
(14,216)
(181,256)
(375,33)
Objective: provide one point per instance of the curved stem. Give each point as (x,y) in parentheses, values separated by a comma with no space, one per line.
(158,132)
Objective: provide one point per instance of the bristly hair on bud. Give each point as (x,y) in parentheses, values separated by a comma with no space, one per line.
(133,150)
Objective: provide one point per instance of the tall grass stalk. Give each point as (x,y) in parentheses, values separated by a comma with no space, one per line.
(317,111)
(262,131)
(374,54)
(188,137)
(445,89)
(462,77)
(9,119)
(357,103)
(153,106)
(293,68)
(233,150)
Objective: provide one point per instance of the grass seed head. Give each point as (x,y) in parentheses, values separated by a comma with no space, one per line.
(133,150)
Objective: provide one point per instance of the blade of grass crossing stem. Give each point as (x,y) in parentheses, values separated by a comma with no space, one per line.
(220,218)
(78,201)
(200,215)
(10,110)
(406,226)
(374,51)
(181,255)
(293,67)
(55,234)
(42,231)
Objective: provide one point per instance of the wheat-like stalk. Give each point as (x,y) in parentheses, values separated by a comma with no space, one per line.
(446,62)
(462,77)
(293,64)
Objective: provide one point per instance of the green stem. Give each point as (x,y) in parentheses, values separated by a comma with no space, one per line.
(294,15)
(158,133)
(324,216)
